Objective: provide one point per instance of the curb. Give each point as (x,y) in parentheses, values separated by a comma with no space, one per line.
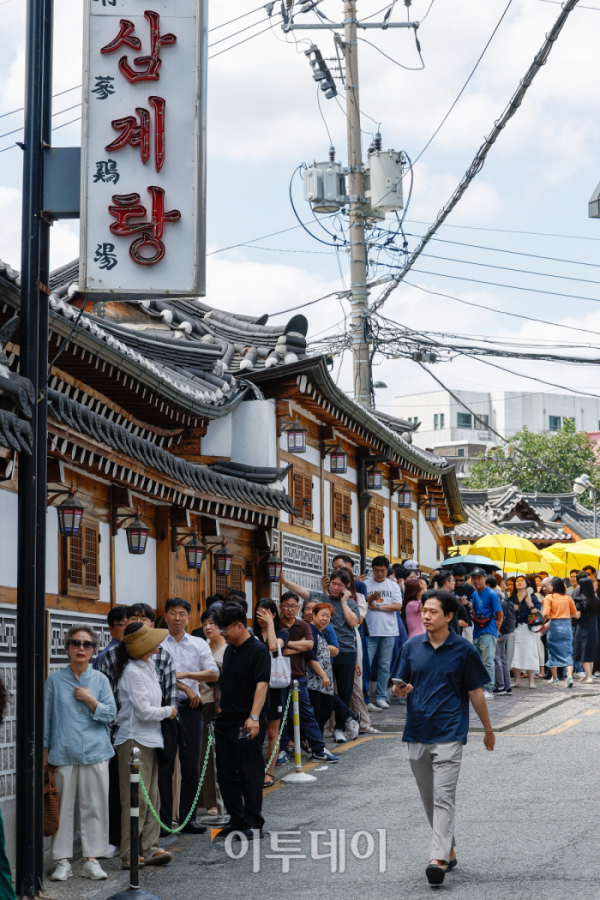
(530,714)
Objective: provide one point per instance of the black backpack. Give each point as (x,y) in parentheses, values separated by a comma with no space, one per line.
(509,622)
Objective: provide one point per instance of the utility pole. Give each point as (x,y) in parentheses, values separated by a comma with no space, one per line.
(359,297)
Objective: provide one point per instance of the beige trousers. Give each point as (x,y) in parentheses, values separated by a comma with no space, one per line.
(92,781)
(436,768)
(357,701)
(149,827)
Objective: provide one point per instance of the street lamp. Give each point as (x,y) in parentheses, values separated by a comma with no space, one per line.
(583,484)
(338,460)
(296,436)
(223,559)
(374,479)
(137,535)
(70,513)
(194,552)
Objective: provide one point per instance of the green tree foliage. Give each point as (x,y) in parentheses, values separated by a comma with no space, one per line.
(548,463)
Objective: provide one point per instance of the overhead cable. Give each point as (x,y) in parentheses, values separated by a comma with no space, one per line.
(481,155)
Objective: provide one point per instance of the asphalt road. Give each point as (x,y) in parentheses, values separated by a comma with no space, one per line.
(526,826)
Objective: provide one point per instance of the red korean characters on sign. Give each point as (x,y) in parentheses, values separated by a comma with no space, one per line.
(143,129)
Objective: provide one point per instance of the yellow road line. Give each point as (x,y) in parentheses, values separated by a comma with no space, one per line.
(568,724)
(591,712)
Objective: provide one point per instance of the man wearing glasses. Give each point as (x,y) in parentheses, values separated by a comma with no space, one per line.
(300,649)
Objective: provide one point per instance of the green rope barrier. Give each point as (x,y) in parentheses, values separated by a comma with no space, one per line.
(283,721)
(193,806)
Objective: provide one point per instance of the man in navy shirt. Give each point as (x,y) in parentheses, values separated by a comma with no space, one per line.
(487,619)
(441,672)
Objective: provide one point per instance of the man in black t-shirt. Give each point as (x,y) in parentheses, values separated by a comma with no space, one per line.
(242,722)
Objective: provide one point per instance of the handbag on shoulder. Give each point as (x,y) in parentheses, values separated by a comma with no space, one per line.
(281,670)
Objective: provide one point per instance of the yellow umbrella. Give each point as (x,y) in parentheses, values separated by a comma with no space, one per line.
(552,567)
(578,554)
(507,548)
(459,550)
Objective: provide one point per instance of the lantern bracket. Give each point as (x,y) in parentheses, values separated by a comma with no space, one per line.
(71,490)
(397,486)
(178,537)
(328,449)
(118,522)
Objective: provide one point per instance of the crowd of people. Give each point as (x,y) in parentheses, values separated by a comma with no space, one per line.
(157,687)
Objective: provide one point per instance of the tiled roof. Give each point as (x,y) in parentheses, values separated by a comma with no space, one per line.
(536,516)
(79,417)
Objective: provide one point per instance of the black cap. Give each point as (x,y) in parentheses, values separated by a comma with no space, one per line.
(478,571)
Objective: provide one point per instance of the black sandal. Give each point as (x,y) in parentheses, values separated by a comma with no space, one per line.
(268,784)
(435,874)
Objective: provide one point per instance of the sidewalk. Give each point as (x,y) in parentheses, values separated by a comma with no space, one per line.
(506,710)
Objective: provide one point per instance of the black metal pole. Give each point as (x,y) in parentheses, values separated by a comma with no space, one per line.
(41,440)
(29,772)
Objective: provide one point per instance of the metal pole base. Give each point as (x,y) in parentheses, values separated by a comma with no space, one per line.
(134,894)
(299,778)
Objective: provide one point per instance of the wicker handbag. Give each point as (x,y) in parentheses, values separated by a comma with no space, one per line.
(51,804)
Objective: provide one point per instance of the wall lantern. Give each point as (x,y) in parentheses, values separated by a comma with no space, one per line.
(405,498)
(70,512)
(274,564)
(374,478)
(194,552)
(223,559)
(296,436)
(430,509)
(137,535)
(338,460)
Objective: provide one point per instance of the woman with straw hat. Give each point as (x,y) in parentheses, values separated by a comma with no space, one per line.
(138,722)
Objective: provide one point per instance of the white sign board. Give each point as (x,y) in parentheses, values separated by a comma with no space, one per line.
(143,181)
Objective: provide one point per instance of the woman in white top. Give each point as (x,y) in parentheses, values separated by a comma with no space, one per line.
(138,720)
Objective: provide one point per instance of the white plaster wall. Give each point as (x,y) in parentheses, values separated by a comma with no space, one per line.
(327,509)
(135,575)
(386,530)
(316,503)
(354,518)
(105,562)
(428,546)
(218,438)
(51,551)
(8,538)
(254,433)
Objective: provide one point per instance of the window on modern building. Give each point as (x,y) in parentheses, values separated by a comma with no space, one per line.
(375,526)
(82,562)
(464,420)
(460,451)
(482,421)
(436,421)
(303,514)
(341,512)
(554,423)
(442,420)
(405,536)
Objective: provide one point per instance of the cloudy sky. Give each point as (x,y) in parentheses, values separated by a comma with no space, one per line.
(264,121)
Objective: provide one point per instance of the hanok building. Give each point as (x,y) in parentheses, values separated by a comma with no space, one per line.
(178,423)
(542,518)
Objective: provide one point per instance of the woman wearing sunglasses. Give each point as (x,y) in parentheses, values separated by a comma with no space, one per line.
(79,706)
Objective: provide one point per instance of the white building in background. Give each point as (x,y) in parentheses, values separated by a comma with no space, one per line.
(452,430)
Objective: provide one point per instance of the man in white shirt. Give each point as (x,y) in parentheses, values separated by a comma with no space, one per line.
(194,663)
(384,600)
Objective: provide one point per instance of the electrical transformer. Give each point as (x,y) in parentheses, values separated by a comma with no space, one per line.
(385,176)
(325,186)
(371,216)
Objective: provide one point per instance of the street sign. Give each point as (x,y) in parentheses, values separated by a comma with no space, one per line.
(143,181)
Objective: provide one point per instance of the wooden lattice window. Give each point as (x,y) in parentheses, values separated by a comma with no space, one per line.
(405,535)
(236,578)
(83,562)
(375,534)
(341,510)
(302,485)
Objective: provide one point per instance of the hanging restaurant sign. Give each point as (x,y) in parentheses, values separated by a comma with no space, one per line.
(143,148)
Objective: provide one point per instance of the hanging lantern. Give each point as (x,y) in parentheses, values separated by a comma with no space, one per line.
(69,514)
(374,479)
(137,536)
(338,460)
(296,436)
(274,566)
(194,553)
(431,512)
(223,560)
(405,498)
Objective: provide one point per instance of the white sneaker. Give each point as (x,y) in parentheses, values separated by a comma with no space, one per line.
(488,695)
(372,708)
(353,727)
(339,736)
(112,851)
(91,869)
(62,871)
(382,704)
(579,675)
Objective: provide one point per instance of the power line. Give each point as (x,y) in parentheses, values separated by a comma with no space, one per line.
(574,237)
(239,43)
(500,311)
(75,106)
(482,154)
(469,262)
(462,90)
(231,21)
(21,108)
(395,61)
(572,262)
(513,287)
(241,31)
